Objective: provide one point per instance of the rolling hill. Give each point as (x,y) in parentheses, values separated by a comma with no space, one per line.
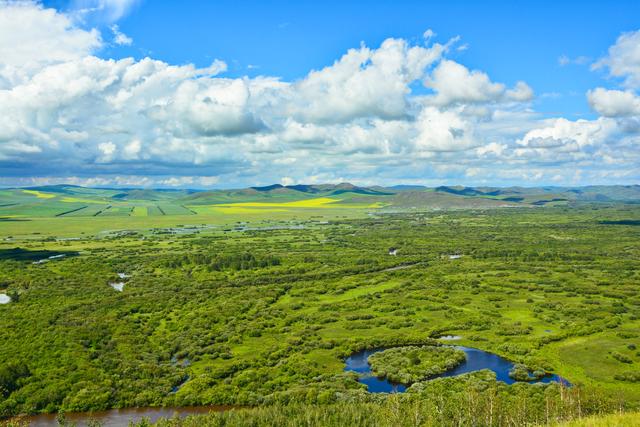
(73,201)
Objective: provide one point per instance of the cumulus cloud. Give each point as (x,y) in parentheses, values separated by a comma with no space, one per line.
(363,83)
(572,134)
(33,36)
(623,59)
(443,131)
(521,92)
(453,83)
(67,115)
(614,103)
(212,107)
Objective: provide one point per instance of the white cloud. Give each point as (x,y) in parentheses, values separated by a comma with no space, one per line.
(213,107)
(623,60)
(564,60)
(178,181)
(363,83)
(107,150)
(119,37)
(453,83)
(563,133)
(31,36)
(207,181)
(521,92)
(443,131)
(287,180)
(614,103)
(492,149)
(132,150)
(428,34)
(105,10)
(67,114)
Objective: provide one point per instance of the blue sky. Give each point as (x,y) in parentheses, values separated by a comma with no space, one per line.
(510,41)
(557,129)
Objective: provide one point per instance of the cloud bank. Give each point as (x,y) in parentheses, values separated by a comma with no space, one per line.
(398,112)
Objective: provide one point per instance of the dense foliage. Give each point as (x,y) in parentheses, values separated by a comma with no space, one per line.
(267,316)
(473,400)
(406,365)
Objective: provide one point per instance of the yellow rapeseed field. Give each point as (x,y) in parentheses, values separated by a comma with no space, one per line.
(39,194)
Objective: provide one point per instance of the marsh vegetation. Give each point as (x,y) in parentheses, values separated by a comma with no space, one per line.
(410,364)
(267,317)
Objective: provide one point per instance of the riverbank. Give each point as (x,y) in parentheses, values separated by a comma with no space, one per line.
(116,417)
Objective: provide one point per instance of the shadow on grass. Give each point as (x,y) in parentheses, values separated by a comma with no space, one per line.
(622,222)
(19,254)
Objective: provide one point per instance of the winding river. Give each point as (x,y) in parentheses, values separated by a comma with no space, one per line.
(357,362)
(476,361)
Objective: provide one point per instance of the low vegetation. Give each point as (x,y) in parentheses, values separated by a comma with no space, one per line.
(446,402)
(407,365)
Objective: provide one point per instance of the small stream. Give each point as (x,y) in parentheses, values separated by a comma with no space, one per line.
(476,361)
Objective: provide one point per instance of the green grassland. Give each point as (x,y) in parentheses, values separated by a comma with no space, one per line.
(257,301)
(65,200)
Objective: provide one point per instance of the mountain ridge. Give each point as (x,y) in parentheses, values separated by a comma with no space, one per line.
(76,200)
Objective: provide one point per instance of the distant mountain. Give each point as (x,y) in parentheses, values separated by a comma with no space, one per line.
(460,191)
(325,189)
(268,187)
(59,188)
(75,200)
(403,187)
(415,196)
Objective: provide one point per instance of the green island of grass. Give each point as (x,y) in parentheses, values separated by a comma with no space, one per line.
(406,365)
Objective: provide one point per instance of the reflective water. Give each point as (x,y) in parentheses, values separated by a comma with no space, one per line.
(117,286)
(357,362)
(476,361)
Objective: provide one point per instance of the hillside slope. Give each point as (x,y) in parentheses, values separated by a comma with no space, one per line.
(70,200)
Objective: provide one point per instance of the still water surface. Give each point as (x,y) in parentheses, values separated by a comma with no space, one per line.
(476,361)
(357,362)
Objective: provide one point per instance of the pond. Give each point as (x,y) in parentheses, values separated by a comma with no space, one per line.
(119,286)
(476,361)
(121,417)
(450,338)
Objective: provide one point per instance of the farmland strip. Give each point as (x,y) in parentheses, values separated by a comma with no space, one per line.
(72,210)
